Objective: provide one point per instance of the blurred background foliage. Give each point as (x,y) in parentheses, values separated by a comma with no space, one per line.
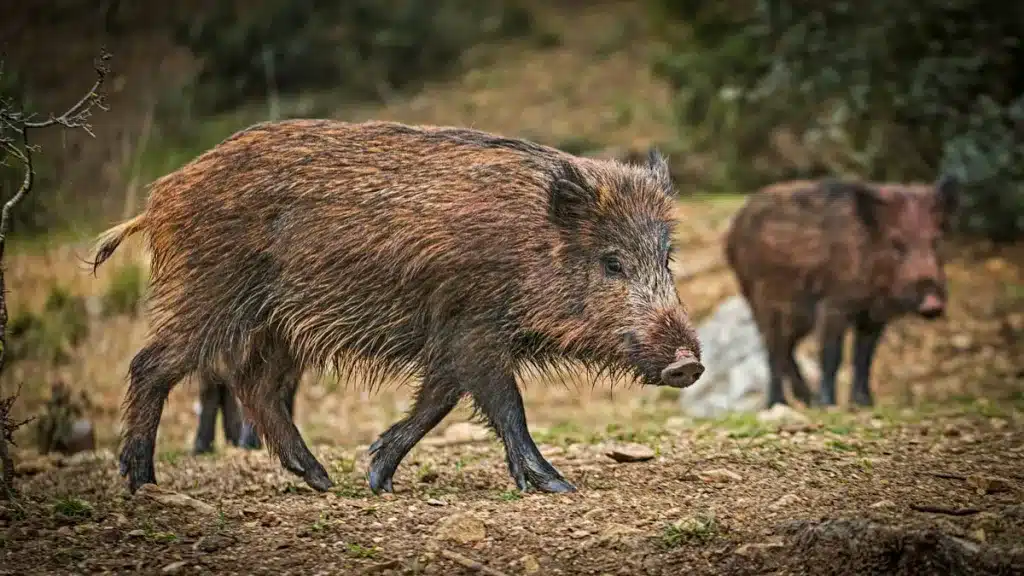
(882,90)
(761,89)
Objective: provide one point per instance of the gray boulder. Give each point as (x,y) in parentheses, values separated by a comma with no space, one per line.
(736,365)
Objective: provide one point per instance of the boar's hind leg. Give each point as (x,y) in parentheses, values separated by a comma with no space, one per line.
(866,336)
(435,399)
(231,414)
(258,385)
(289,383)
(497,397)
(800,325)
(211,393)
(833,333)
(153,371)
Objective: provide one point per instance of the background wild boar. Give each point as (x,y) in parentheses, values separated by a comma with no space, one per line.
(860,254)
(450,254)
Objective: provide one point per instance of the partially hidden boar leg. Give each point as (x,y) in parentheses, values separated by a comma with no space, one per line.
(435,399)
(497,397)
(289,384)
(211,390)
(833,332)
(231,416)
(258,385)
(776,340)
(866,336)
(153,371)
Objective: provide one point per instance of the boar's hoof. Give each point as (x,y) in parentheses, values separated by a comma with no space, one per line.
(682,373)
(136,463)
(553,485)
(318,479)
(379,481)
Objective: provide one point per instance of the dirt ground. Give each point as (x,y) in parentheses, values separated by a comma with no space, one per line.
(929,482)
(929,485)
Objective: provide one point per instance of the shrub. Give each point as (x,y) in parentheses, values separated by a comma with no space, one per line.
(793,88)
(365,48)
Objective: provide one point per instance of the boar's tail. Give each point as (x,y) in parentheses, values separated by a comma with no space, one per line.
(108,241)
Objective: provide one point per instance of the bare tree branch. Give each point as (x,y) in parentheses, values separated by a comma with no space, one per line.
(15,126)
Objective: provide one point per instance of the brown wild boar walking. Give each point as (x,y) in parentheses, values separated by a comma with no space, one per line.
(857,254)
(450,254)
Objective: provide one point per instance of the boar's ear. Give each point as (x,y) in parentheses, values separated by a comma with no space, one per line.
(947,196)
(868,202)
(658,164)
(570,199)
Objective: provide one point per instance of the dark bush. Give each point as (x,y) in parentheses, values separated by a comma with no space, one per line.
(365,48)
(792,88)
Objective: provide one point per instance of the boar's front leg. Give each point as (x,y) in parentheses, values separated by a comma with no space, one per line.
(497,397)
(867,333)
(435,399)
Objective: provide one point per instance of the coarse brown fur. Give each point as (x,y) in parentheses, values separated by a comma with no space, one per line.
(450,254)
(855,253)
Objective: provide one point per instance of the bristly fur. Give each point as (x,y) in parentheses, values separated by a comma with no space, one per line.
(374,248)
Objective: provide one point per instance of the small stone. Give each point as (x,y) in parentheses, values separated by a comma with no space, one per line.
(719,475)
(580,534)
(782,414)
(464,432)
(989,484)
(787,500)
(435,502)
(173,567)
(883,504)
(461,528)
(168,498)
(677,423)
(961,342)
(65,531)
(530,564)
(997,423)
(137,533)
(630,453)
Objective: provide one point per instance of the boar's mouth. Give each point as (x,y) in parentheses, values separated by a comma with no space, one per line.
(668,354)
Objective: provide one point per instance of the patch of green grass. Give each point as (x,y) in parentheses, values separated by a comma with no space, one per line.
(126,291)
(841,446)
(741,425)
(426,474)
(510,495)
(840,429)
(561,434)
(699,528)
(163,537)
(321,523)
(359,551)
(71,508)
(344,465)
(171,457)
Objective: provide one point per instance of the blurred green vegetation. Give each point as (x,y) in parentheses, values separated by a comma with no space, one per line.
(51,335)
(791,88)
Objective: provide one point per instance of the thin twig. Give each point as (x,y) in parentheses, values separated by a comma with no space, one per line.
(944,510)
(946,475)
(470,564)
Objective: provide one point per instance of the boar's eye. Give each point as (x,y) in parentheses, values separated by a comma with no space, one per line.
(899,246)
(612,265)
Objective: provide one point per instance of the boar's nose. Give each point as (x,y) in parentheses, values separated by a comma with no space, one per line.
(931,307)
(683,372)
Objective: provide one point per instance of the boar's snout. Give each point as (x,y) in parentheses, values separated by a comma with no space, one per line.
(683,372)
(931,307)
